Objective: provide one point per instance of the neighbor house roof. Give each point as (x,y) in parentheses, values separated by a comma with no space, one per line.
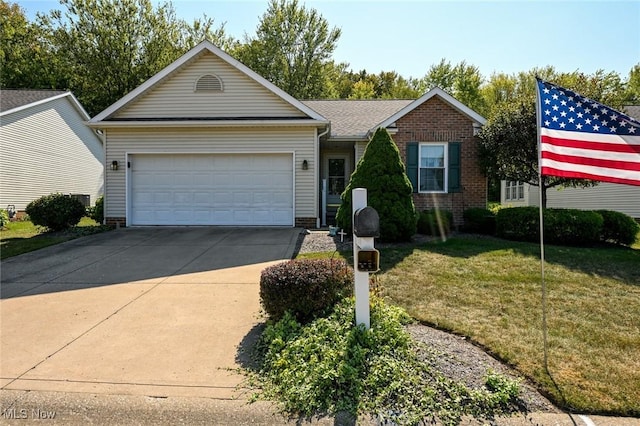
(633,111)
(14,99)
(355,118)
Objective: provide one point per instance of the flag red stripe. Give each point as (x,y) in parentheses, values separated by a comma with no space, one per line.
(598,146)
(591,161)
(549,171)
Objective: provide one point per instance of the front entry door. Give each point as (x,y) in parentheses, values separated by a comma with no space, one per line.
(338,172)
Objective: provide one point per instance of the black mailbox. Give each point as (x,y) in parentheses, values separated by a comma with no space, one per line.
(366,222)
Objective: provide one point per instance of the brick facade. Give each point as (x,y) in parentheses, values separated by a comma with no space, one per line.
(437,121)
(116,221)
(306,222)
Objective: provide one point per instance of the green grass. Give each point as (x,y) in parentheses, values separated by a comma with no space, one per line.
(490,290)
(23,236)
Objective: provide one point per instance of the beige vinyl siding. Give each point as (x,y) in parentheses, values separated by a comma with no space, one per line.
(360,147)
(300,141)
(606,196)
(46,149)
(241,97)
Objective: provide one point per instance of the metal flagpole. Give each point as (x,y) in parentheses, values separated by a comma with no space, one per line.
(540,183)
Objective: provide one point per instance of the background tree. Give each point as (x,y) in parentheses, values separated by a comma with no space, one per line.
(389,190)
(292,48)
(509,149)
(632,89)
(24,58)
(108,48)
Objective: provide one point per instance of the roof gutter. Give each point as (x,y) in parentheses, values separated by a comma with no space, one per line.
(205,123)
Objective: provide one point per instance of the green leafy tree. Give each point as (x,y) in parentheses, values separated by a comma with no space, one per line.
(632,90)
(292,48)
(110,47)
(362,89)
(462,81)
(25,62)
(389,191)
(509,149)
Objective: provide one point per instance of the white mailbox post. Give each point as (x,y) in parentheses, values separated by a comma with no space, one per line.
(366,258)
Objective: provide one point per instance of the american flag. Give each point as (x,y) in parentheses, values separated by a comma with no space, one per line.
(581,138)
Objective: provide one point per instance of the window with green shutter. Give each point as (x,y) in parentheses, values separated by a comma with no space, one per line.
(434,167)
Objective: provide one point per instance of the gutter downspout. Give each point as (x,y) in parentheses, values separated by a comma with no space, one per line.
(317,174)
(102,134)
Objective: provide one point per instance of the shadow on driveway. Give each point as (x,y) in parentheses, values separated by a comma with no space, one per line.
(139,254)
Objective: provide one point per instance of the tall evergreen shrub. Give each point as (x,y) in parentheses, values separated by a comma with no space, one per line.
(382,173)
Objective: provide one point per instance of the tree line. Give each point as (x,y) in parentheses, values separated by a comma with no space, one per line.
(102,49)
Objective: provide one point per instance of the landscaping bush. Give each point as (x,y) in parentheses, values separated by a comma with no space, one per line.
(55,211)
(435,222)
(4,218)
(97,212)
(389,190)
(618,228)
(304,287)
(480,221)
(561,226)
(330,366)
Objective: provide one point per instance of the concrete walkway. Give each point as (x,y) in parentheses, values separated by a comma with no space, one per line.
(147,326)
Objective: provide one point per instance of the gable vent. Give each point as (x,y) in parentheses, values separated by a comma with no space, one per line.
(209,83)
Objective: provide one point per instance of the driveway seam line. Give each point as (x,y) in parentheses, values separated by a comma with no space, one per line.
(84,333)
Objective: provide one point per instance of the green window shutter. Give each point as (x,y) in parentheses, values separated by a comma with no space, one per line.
(412,164)
(455,171)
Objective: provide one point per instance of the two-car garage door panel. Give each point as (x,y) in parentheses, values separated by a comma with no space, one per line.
(212,189)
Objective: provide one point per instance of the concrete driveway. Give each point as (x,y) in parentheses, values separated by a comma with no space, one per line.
(140,311)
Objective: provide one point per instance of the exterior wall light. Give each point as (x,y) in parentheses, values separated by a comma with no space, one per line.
(305,165)
(114,165)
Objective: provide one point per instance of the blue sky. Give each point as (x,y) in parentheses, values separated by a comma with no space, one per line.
(496,36)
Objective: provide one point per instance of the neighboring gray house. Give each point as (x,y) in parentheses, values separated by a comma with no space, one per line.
(609,196)
(46,148)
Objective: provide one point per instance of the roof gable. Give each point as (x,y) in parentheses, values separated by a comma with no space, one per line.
(436,91)
(14,100)
(205,52)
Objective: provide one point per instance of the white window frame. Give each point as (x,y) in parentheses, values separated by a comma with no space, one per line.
(513,186)
(445,147)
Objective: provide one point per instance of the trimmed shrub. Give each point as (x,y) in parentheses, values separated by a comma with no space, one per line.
(619,228)
(480,221)
(389,190)
(435,222)
(55,211)
(306,288)
(561,226)
(572,227)
(518,223)
(4,218)
(97,212)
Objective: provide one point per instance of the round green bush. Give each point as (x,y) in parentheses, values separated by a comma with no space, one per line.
(304,287)
(619,228)
(435,222)
(55,211)
(480,221)
(97,212)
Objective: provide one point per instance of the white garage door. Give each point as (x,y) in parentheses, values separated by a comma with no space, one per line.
(211,189)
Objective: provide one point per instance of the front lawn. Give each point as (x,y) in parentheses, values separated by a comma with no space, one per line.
(490,290)
(23,236)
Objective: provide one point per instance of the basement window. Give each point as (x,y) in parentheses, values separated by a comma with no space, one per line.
(209,83)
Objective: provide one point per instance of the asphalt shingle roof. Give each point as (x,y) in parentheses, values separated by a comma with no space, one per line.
(14,98)
(354,118)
